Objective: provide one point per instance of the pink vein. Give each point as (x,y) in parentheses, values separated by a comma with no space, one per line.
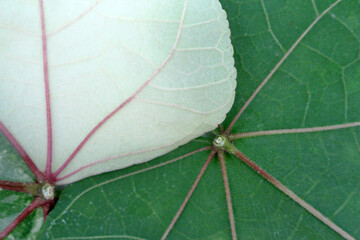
(74,20)
(104,160)
(37,173)
(279,64)
(290,194)
(125,176)
(111,158)
(127,100)
(47,93)
(296,130)
(27,211)
(181,209)
(227,194)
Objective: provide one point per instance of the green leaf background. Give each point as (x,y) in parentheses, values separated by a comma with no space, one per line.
(317,85)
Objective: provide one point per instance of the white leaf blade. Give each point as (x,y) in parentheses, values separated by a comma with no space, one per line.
(99,57)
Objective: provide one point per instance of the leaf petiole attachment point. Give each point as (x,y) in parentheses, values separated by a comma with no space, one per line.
(222,142)
(47,191)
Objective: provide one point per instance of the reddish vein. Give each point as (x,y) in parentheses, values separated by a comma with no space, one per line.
(181,209)
(31,188)
(277,66)
(294,130)
(227,194)
(292,195)
(47,93)
(102,122)
(74,20)
(37,173)
(128,175)
(111,158)
(35,204)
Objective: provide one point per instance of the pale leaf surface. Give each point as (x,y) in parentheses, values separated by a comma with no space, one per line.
(171,63)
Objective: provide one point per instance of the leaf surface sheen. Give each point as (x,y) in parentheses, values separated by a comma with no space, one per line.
(120,76)
(318,85)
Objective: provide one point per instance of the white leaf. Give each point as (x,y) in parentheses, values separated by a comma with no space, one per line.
(170,63)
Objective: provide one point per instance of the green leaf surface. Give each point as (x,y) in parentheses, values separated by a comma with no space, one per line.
(317,85)
(13,168)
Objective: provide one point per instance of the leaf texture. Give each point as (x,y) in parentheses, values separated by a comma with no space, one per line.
(144,76)
(316,86)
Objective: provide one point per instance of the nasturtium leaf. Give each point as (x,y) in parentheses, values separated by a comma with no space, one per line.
(312,88)
(164,68)
(13,168)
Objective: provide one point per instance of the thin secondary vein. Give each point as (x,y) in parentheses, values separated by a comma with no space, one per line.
(270,29)
(315,7)
(125,176)
(295,130)
(177,106)
(277,66)
(345,96)
(74,20)
(115,157)
(102,122)
(191,88)
(102,237)
(296,227)
(321,54)
(290,194)
(347,27)
(135,20)
(347,200)
(306,110)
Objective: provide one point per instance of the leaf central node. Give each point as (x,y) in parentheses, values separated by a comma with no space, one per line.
(48,191)
(223,142)
(220,141)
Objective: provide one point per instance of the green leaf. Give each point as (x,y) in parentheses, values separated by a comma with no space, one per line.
(13,168)
(117,76)
(317,85)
